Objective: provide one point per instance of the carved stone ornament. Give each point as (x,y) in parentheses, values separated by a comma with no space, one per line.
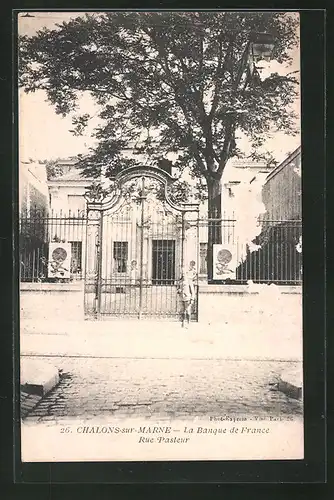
(94,215)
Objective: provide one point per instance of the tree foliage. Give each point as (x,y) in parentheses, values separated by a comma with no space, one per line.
(53,168)
(165,82)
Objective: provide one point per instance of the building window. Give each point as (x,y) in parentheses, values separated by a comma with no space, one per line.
(203,252)
(76,257)
(120,256)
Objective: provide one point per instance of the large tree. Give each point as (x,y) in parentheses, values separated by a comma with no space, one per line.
(165,82)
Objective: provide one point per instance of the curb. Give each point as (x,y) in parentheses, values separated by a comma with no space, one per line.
(164,356)
(42,388)
(291,384)
(37,380)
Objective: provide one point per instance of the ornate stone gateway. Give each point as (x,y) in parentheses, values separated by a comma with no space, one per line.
(138,243)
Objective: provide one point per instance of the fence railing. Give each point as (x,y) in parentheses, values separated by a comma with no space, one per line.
(266,253)
(37,231)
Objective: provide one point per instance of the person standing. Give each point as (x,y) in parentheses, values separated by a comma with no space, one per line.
(192,273)
(186,291)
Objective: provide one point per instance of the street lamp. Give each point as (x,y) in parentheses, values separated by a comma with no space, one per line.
(259,46)
(262,45)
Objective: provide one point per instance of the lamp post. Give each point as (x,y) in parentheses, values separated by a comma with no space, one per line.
(259,46)
(262,45)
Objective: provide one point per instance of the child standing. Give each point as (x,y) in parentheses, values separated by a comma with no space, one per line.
(186,291)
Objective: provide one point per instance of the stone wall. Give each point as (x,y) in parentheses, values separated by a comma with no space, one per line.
(276,306)
(51,301)
(279,306)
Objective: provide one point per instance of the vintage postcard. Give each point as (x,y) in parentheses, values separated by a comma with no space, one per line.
(160,236)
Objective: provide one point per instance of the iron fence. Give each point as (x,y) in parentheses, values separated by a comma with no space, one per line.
(264,251)
(272,256)
(37,231)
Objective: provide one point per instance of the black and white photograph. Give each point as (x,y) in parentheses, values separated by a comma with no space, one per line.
(160,235)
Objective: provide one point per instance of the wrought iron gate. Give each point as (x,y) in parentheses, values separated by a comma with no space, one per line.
(138,242)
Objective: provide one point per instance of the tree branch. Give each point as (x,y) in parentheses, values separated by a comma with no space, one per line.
(221,68)
(201,66)
(176,88)
(197,150)
(218,81)
(229,137)
(231,122)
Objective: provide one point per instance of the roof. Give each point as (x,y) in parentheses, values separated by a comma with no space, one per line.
(288,161)
(37,170)
(71,175)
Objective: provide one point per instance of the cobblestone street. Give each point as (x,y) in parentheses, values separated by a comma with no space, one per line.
(93,386)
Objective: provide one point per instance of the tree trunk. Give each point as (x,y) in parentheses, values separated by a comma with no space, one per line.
(214,221)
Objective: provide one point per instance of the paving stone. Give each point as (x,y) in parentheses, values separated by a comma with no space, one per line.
(30,404)
(194,387)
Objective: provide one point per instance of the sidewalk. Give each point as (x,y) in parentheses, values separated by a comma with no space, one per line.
(162,339)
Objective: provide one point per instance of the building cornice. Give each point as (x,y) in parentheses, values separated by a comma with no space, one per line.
(71,182)
(247,164)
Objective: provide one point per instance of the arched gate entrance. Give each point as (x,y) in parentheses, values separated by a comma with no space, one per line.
(138,241)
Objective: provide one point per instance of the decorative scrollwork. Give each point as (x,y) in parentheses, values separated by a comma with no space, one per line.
(123,189)
(96,193)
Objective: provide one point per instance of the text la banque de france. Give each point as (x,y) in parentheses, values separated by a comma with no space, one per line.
(164,434)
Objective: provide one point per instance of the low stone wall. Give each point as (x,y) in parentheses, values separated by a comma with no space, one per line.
(279,305)
(263,303)
(51,301)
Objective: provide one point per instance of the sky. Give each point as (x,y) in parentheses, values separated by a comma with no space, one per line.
(45,135)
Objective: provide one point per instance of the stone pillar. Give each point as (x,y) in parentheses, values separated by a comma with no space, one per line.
(190,242)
